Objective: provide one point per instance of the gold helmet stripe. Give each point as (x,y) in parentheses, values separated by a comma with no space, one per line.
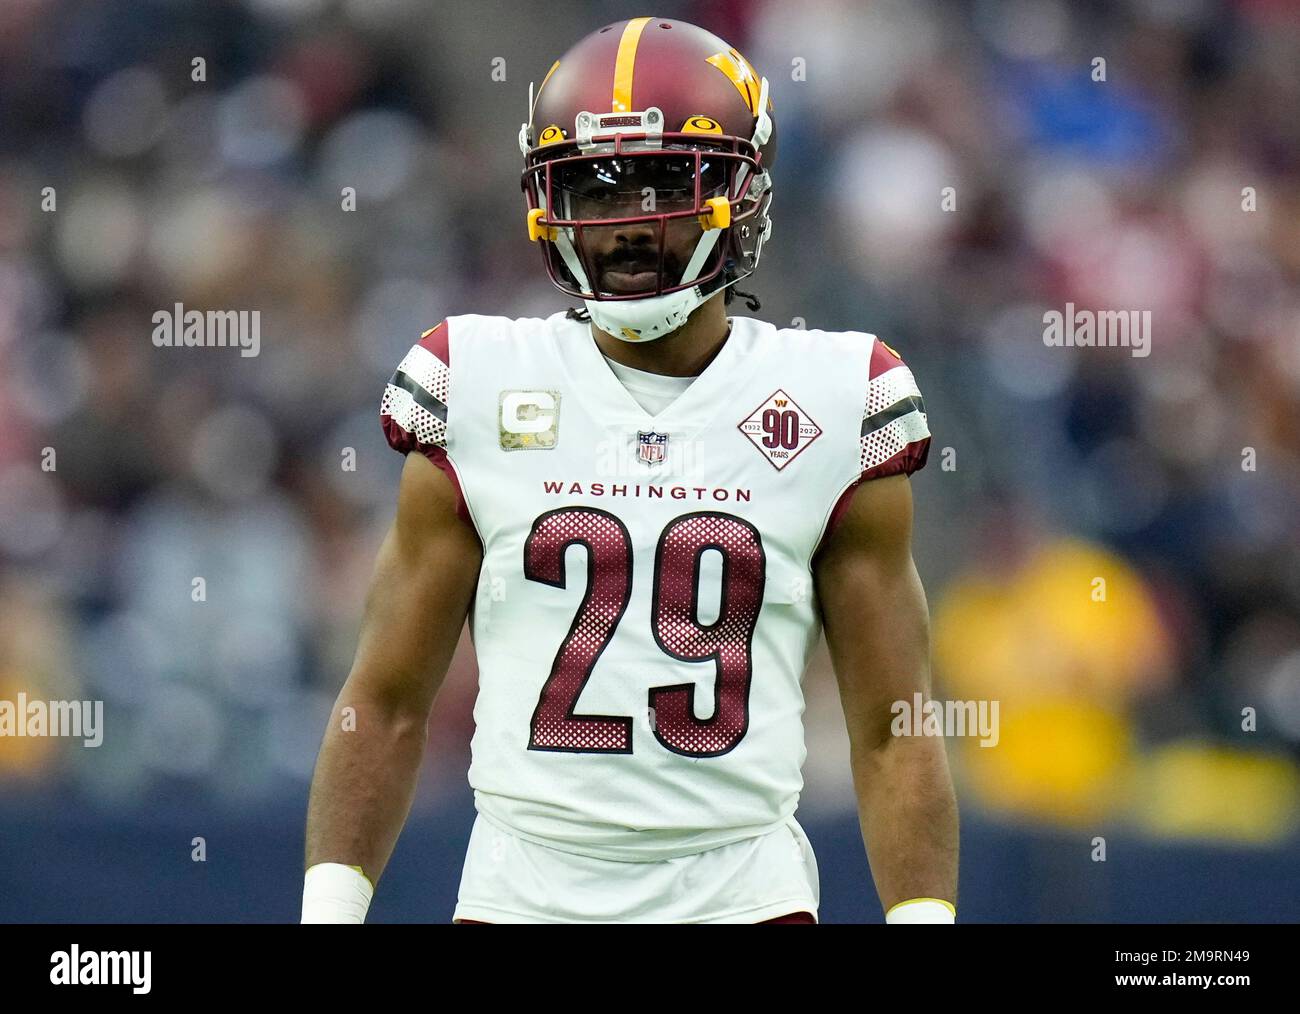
(554,67)
(625,62)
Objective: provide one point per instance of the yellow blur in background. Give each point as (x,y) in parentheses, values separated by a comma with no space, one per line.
(1068,639)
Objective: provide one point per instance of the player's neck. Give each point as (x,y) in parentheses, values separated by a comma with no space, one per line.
(681,353)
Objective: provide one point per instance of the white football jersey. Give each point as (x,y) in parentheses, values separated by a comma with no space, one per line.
(645,610)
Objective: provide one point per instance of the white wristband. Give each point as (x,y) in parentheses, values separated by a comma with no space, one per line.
(921,910)
(335,893)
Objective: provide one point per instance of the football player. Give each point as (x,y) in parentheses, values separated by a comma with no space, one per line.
(648,509)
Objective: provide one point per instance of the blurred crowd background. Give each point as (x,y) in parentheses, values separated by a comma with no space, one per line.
(1164,717)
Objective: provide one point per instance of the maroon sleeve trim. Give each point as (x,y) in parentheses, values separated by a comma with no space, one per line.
(905,462)
(404,442)
(910,459)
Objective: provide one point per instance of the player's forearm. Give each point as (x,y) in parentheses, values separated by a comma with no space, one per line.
(365,781)
(908,811)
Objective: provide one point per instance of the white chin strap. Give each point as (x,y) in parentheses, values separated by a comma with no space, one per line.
(644,320)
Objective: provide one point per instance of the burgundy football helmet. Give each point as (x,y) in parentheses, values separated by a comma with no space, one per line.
(647,128)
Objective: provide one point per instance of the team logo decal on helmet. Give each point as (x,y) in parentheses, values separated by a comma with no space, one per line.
(643,131)
(701,125)
(741,74)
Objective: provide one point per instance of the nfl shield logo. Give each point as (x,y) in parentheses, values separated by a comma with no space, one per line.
(652,447)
